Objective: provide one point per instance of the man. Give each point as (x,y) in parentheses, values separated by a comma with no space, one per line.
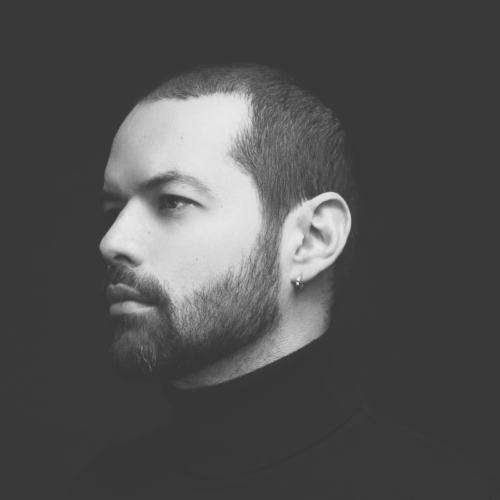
(232,200)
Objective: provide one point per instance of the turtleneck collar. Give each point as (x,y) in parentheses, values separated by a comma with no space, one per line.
(264,416)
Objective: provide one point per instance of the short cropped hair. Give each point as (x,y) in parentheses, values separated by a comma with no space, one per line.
(295,149)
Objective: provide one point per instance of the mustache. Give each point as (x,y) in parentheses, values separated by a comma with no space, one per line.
(148,286)
(119,275)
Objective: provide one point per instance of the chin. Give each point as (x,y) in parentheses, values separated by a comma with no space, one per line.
(133,353)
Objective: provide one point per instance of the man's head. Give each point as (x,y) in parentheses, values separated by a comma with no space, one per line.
(209,172)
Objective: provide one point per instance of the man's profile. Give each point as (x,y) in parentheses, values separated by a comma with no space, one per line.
(232,206)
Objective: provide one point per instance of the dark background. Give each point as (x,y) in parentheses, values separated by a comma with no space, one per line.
(416,85)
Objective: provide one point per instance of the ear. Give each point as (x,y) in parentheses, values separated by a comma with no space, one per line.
(325,224)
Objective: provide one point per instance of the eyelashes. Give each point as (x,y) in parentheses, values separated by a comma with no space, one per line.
(166,204)
(167,200)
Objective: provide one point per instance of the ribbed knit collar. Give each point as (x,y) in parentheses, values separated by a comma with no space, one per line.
(264,416)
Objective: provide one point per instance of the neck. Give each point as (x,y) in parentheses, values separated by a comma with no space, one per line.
(266,416)
(304,320)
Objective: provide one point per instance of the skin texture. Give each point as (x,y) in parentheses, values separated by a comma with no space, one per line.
(205,261)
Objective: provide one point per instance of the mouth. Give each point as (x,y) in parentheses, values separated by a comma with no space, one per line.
(126,300)
(128,307)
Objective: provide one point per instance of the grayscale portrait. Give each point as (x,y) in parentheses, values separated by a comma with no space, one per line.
(253,263)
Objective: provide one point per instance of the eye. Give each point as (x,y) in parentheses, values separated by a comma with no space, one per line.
(172,202)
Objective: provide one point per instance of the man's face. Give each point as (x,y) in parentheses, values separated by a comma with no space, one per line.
(188,240)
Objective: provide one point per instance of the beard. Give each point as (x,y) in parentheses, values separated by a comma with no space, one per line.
(180,336)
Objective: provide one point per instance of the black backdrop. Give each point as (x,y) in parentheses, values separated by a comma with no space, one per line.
(416,85)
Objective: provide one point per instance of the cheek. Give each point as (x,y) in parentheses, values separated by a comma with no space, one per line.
(191,256)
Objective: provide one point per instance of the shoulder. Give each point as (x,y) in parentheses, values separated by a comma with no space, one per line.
(124,467)
(393,454)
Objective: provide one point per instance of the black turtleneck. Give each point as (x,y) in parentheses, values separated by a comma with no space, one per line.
(295,429)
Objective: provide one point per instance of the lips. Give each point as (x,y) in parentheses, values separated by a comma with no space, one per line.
(122,293)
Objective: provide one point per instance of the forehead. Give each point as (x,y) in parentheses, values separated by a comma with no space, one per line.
(192,136)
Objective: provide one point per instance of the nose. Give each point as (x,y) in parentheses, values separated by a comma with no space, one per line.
(122,244)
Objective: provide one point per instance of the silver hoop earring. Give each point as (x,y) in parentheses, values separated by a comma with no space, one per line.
(298,284)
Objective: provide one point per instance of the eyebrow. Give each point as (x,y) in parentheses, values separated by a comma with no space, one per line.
(160,180)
